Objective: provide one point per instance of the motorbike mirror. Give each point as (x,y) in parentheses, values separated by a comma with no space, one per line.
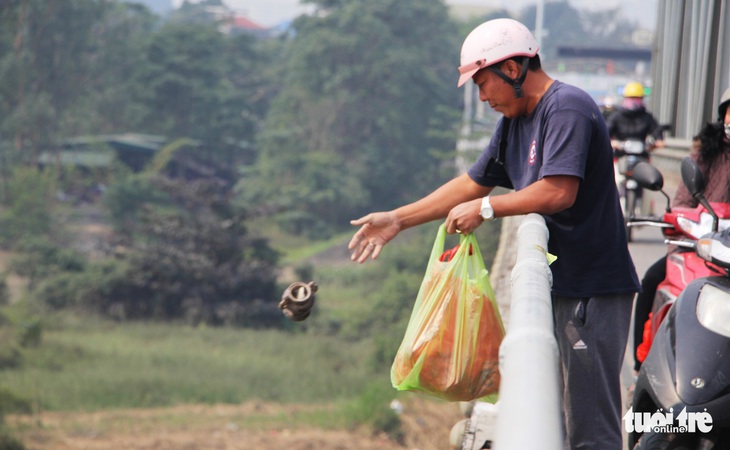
(695,182)
(692,177)
(648,176)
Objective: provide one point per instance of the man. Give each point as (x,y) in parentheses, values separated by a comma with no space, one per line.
(557,156)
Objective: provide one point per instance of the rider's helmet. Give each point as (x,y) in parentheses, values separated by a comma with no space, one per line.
(633,97)
(495,41)
(634,90)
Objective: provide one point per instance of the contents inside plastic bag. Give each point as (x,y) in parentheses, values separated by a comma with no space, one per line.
(451,346)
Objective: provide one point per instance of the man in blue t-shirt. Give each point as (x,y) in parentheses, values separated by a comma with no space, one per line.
(556,155)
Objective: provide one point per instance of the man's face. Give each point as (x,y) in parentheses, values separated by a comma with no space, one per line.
(498,93)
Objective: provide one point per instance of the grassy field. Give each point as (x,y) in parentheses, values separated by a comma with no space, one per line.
(88,364)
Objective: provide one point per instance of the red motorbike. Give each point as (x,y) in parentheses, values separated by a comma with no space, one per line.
(681,227)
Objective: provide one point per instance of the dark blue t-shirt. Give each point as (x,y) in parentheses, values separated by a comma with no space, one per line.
(566,135)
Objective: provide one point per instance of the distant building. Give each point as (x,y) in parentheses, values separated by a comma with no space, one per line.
(228,20)
(237,23)
(134,150)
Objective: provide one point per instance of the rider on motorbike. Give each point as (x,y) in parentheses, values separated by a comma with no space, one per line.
(633,121)
(711,151)
(634,132)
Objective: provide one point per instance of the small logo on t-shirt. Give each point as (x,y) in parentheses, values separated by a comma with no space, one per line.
(533,154)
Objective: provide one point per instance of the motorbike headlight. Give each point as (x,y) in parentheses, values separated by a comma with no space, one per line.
(704,249)
(713,309)
(633,147)
(714,251)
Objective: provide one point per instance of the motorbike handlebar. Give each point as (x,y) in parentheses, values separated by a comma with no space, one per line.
(648,222)
(683,243)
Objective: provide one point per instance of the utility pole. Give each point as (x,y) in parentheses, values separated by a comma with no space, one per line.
(539,18)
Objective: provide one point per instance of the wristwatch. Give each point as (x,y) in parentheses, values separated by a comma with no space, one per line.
(486,212)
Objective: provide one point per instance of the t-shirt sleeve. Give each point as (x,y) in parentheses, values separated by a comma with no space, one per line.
(566,144)
(497,175)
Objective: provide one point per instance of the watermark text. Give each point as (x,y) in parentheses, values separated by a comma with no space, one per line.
(664,421)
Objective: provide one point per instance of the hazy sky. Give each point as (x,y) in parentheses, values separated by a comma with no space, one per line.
(272,12)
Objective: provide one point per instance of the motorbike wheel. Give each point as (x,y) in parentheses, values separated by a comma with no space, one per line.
(662,441)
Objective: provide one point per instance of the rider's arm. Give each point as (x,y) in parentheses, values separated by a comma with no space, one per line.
(612,126)
(657,132)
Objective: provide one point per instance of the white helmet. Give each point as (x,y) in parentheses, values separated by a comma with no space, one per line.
(494,41)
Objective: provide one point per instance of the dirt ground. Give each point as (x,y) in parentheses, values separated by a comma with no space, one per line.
(225,427)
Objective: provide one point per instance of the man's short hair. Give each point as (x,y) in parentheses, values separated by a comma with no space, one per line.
(533,64)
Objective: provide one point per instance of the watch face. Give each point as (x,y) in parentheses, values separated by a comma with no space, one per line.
(487,213)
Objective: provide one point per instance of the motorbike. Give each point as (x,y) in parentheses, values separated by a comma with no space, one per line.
(682,394)
(682,225)
(628,154)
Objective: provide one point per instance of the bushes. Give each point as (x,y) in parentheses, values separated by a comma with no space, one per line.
(40,259)
(372,409)
(8,442)
(10,356)
(27,211)
(181,253)
(12,404)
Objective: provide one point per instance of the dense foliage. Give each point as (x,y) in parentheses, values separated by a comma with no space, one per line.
(311,127)
(353,109)
(361,118)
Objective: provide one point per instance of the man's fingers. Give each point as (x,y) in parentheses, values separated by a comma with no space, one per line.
(364,250)
(369,240)
(357,237)
(361,221)
(376,251)
(355,240)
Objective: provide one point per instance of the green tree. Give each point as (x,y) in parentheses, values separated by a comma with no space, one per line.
(365,90)
(61,64)
(199,83)
(188,255)
(27,213)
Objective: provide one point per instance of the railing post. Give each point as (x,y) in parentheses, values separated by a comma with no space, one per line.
(529,397)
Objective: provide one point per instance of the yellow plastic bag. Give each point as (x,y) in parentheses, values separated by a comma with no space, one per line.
(451,346)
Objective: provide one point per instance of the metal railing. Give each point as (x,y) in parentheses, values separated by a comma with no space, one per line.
(529,395)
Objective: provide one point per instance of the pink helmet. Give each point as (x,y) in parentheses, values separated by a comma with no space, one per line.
(494,41)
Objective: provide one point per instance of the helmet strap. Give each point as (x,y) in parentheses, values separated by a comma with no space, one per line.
(517,82)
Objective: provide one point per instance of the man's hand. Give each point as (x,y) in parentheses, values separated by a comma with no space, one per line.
(377,229)
(465,217)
